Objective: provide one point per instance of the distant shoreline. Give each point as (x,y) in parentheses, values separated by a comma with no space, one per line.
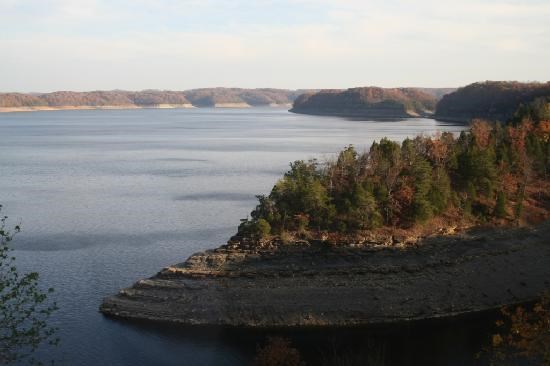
(159,99)
(132,106)
(386,115)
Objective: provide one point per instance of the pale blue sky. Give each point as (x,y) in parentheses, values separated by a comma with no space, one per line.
(50,45)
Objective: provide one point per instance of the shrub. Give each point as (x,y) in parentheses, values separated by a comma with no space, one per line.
(263,228)
(278,352)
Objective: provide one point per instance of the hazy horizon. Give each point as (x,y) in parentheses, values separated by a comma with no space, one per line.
(89,45)
(259,87)
(222,87)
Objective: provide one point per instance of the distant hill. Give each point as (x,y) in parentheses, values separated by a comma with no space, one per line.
(492,100)
(208,97)
(371,102)
(94,99)
(213,97)
(437,92)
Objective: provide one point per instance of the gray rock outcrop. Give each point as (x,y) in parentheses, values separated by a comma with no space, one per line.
(314,284)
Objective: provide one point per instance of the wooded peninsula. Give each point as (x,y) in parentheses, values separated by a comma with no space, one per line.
(420,229)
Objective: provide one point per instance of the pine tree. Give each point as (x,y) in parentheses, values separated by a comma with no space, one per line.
(500,207)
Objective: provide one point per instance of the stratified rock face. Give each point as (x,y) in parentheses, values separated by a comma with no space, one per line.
(492,100)
(369,102)
(311,284)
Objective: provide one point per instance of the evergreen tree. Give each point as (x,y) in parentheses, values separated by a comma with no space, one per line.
(500,207)
(404,184)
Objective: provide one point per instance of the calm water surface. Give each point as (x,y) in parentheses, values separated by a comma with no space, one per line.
(108,197)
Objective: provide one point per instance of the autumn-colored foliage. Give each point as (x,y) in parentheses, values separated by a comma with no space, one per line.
(482,175)
(496,101)
(278,352)
(365,99)
(206,97)
(481,132)
(543,130)
(523,333)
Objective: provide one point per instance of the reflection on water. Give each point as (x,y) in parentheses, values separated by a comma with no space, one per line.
(108,197)
(450,342)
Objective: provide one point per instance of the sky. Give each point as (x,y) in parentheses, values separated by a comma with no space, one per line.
(48,45)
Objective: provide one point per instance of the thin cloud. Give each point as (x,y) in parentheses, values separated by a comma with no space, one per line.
(168,44)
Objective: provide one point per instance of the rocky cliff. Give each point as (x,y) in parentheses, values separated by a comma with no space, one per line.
(371,281)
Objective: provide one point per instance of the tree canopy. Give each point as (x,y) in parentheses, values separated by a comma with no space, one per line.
(482,174)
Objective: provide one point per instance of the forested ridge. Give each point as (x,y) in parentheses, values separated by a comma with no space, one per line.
(94,98)
(206,97)
(367,101)
(492,100)
(491,173)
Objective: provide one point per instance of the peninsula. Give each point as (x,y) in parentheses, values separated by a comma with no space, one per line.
(402,232)
(490,100)
(368,102)
(493,100)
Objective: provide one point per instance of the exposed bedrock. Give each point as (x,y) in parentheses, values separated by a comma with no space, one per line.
(314,284)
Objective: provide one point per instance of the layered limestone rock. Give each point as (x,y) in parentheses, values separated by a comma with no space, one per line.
(312,283)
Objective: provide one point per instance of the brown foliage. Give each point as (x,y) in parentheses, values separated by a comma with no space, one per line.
(201,97)
(524,333)
(481,131)
(208,97)
(543,130)
(492,100)
(483,176)
(367,98)
(404,195)
(20,100)
(518,136)
(438,149)
(278,352)
(509,183)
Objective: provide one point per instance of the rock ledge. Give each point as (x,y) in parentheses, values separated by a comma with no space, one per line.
(313,284)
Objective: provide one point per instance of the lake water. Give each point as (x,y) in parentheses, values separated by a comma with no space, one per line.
(108,197)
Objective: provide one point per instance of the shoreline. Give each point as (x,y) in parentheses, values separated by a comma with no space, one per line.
(91,107)
(132,106)
(362,114)
(448,318)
